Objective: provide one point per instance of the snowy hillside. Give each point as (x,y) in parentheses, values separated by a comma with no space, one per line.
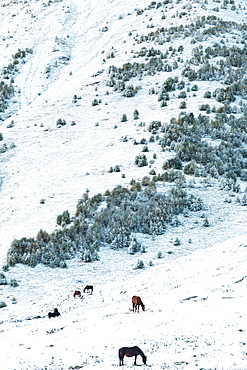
(84,82)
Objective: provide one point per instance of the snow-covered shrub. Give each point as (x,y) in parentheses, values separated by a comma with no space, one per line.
(2,304)
(143,141)
(182,105)
(120,238)
(141,160)
(177,241)
(124,118)
(130,91)
(146,181)
(243,200)
(86,256)
(140,264)
(134,246)
(207,95)
(190,168)
(3,148)
(175,163)
(243,176)
(194,88)
(5,268)
(61,122)
(182,95)
(64,218)
(135,114)
(204,107)
(3,279)
(95,102)
(14,283)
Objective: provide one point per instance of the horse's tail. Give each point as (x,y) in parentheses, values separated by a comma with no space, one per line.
(120,355)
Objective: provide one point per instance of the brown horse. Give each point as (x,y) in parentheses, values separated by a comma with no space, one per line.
(137,302)
(130,352)
(77,293)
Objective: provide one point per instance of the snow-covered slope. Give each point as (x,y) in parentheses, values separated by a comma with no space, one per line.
(194,317)
(50,167)
(69,40)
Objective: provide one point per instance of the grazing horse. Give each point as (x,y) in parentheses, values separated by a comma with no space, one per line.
(77,293)
(87,288)
(137,302)
(129,352)
(54,314)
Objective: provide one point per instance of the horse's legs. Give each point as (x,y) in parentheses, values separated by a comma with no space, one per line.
(120,360)
(134,307)
(135,359)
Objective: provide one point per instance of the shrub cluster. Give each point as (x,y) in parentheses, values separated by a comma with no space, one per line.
(104,220)
(7,89)
(197,156)
(6,92)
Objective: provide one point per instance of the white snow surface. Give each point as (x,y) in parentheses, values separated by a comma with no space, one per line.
(195,295)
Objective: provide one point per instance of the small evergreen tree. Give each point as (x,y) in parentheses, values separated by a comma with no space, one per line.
(134,246)
(3,280)
(141,160)
(159,255)
(140,264)
(177,241)
(124,118)
(136,114)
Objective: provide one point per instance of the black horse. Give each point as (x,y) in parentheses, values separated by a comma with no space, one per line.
(130,352)
(88,288)
(55,313)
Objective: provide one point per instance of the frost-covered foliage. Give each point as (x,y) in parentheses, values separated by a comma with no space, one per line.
(64,218)
(2,304)
(110,219)
(225,157)
(3,280)
(6,92)
(7,89)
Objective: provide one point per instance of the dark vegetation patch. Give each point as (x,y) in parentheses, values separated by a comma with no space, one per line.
(107,219)
(204,146)
(6,87)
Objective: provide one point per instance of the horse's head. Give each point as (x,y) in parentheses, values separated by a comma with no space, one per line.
(144,359)
(143,307)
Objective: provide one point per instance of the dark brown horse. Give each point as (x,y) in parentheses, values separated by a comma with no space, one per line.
(88,288)
(130,352)
(77,293)
(137,302)
(54,314)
